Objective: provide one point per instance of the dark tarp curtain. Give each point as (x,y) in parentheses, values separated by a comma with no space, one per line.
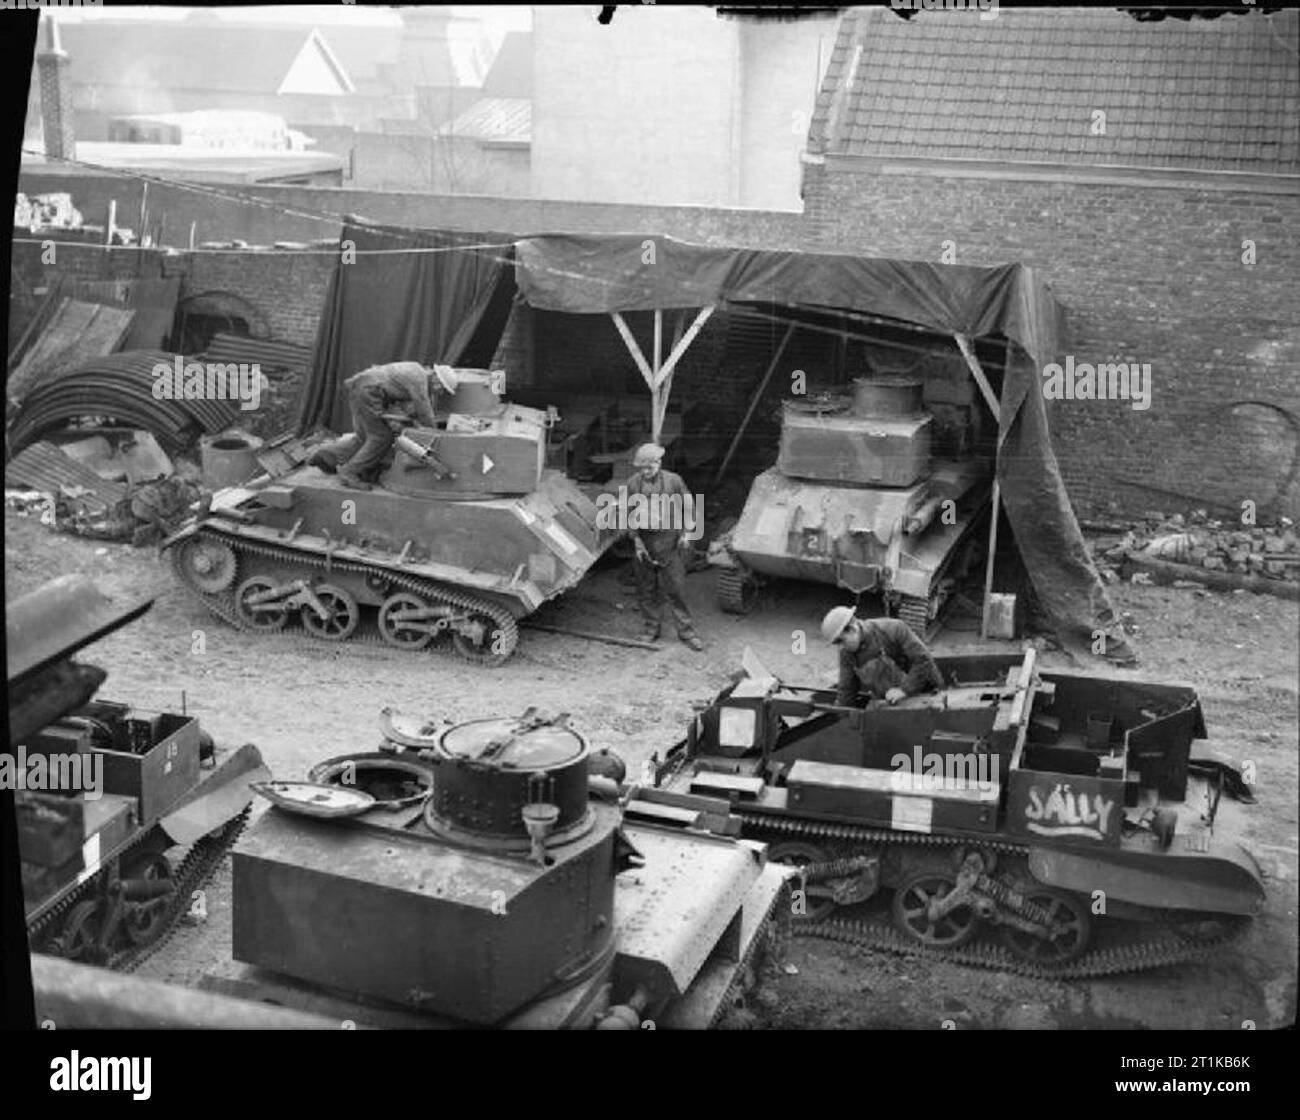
(447,307)
(370,317)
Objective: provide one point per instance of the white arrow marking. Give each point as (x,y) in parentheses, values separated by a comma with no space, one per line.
(487,464)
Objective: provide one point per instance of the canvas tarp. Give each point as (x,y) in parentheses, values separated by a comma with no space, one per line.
(387,303)
(434,307)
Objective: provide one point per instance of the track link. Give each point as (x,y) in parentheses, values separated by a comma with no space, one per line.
(1140,954)
(194,870)
(736,591)
(222,604)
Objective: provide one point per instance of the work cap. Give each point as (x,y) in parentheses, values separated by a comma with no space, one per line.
(446,377)
(648,453)
(836,621)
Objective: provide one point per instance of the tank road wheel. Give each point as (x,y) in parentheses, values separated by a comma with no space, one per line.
(208,564)
(264,618)
(736,590)
(486,638)
(144,923)
(818,903)
(395,630)
(913,913)
(1065,916)
(78,940)
(341,614)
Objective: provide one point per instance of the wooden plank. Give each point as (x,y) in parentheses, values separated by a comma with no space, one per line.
(684,342)
(977,372)
(634,349)
(806,772)
(753,403)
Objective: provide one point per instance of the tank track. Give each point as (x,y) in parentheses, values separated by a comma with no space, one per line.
(772,942)
(730,587)
(191,873)
(879,933)
(915,612)
(222,603)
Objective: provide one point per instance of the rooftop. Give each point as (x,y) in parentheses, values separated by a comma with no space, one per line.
(1204,94)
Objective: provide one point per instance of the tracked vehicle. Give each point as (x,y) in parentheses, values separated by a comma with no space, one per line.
(466,534)
(496,873)
(122,813)
(856,499)
(1040,822)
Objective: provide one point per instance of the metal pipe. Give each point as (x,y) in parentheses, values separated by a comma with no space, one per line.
(77,996)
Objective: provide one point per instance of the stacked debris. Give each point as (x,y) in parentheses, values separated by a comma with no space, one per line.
(1209,550)
(46,211)
(127,490)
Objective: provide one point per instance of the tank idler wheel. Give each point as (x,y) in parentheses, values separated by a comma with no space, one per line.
(482,638)
(817,901)
(737,591)
(341,613)
(266,618)
(78,940)
(914,912)
(1067,919)
(401,623)
(143,922)
(209,565)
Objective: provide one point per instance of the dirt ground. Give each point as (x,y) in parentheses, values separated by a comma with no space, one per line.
(302,702)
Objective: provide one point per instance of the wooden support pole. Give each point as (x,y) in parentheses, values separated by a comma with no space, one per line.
(658,391)
(753,404)
(977,372)
(634,349)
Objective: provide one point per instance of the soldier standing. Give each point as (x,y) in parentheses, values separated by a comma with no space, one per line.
(660,566)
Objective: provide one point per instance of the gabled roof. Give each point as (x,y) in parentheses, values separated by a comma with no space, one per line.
(495,120)
(185,54)
(1205,94)
(511,74)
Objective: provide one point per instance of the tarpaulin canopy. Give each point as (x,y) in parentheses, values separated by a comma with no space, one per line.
(435,307)
(431,296)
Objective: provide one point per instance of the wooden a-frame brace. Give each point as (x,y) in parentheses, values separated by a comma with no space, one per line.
(659,375)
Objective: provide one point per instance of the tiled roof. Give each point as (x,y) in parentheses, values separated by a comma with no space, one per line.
(500,120)
(1206,94)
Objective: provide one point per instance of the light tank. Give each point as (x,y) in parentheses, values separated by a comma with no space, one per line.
(857,499)
(466,533)
(1042,822)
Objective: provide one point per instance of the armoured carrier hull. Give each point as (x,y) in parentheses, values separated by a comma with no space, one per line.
(111,865)
(1045,823)
(420,562)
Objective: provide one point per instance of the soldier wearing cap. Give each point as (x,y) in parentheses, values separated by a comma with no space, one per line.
(394,386)
(879,657)
(660,567)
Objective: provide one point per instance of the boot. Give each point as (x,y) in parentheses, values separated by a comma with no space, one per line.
(352,482)
(650,634)
(692,640)
(324,461)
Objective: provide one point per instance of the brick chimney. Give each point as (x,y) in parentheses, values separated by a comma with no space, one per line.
(56,96)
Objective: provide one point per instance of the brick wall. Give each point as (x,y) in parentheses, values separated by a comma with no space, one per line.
(1151,273)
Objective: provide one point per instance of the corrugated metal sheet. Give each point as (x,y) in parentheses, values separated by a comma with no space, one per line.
(76,333)
(257,351)
(120,386)
(44,467)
